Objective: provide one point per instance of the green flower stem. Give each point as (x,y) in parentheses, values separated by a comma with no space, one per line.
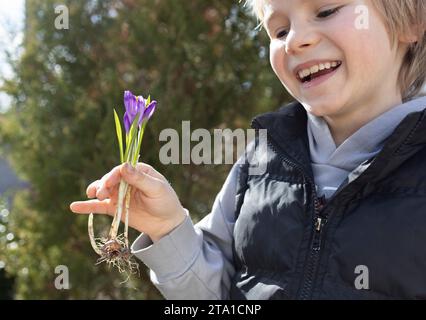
(131,155)
(122,189)
(139,142)
(126,223)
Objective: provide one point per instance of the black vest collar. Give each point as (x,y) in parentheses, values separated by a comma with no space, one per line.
(287,130)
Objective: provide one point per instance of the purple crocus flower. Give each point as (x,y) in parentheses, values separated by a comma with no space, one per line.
(136,105)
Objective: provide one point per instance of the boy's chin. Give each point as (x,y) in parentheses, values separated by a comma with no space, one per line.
(322,109)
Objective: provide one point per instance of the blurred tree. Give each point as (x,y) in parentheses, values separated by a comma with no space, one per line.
(6,281)
(201,60)
(6,286)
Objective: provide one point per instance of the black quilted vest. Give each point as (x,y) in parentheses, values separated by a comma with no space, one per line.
(289,244)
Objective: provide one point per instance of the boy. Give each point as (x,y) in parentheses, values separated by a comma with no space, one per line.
(339,212)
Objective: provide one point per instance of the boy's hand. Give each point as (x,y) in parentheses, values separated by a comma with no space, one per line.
(154,206)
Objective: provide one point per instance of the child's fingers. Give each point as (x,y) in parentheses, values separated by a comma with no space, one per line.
(149,185)
(104,188)
(98,189)
(102,192)
(149,170)
(92,188)
(93,206)
(114,177)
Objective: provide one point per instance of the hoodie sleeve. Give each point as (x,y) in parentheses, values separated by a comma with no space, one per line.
(195,261)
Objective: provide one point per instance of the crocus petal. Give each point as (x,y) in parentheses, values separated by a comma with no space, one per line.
(127,122)
(128,97)
(130,104)
(141,102)
(141,117)
(150,110)
(140,106)
(134,106)
(127,94)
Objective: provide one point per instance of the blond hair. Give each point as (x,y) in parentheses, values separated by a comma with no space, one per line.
(401,17)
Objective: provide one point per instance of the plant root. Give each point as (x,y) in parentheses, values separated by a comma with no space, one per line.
(115,252)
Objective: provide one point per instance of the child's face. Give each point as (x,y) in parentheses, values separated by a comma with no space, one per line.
(311,34)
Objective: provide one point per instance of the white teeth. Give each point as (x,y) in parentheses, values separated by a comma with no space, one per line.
(316,68)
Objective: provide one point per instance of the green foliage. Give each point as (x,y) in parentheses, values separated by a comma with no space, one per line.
(201,60)
(6,281)
(119,135)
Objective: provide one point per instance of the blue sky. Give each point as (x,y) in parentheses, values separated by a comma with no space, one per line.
(11,24)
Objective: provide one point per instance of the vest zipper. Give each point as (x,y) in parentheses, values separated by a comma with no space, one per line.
(320,220)
(318,224)
(315,250)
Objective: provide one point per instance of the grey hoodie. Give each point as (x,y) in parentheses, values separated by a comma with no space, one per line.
(195,261)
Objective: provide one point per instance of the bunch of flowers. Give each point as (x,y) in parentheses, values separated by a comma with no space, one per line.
(115,248)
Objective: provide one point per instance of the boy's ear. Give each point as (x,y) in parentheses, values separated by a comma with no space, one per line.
(413,35)
(405,38)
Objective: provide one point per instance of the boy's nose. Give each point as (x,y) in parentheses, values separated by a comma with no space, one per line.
(299,38)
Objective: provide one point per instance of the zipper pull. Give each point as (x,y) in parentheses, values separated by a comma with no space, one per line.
(318,224)
(316,243)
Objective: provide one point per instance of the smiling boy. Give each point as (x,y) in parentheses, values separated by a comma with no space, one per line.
(363,64)
(340,211)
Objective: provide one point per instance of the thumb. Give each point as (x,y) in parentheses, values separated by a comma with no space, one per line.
(149,185)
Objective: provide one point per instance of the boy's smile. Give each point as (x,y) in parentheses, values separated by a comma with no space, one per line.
(346,73)
(315,72)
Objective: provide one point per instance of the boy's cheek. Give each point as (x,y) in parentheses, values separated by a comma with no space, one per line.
(279,65)
(274,57)
(350,22)
(277,57)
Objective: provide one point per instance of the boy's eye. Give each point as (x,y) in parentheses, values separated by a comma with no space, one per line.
(329,12)
(322,15)
(282,33)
